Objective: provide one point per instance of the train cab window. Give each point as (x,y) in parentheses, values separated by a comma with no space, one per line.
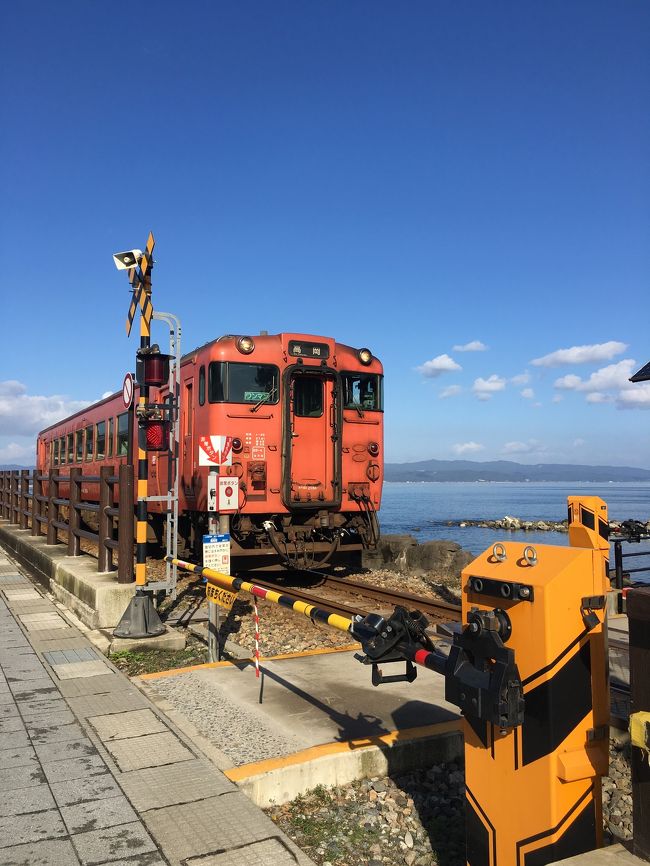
(201,385)
(100,440)
(79,446)
(363,391)
(54,452)
(90,442)
(62,450)
(70,449)
(111,424)
(308,396)
(122,435)
(234,382)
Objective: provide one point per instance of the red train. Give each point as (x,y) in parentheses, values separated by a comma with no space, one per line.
(292,424)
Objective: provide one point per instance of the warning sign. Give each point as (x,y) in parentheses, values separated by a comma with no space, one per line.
(215,450)
(223,597)
(228,493)
(216,553)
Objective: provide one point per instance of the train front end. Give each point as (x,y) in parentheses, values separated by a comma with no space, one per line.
(289,432)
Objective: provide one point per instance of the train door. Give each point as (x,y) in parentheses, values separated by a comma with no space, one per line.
(187,428)
(312,465)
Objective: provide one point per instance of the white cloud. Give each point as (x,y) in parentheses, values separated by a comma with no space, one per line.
(532,446)
(450,391)
(474,346)
(557,398)
(22,414)
(528,393)
(581,354)
(15,453)
(598,397)
(106,394)
(440,364)
(634,397)
(607,378)
(467,448)
(485,388)
(521,379)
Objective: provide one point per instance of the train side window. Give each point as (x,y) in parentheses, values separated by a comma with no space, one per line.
(100,440)
(122,448)
(111,425)
(201,385)
(62,450)
(54,452)
(308,397)
(70,448)
(79,446)
(90,442)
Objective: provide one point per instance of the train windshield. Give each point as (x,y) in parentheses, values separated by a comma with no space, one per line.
(234,382)
(363,391)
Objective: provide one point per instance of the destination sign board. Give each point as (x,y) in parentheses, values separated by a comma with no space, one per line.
(298,349)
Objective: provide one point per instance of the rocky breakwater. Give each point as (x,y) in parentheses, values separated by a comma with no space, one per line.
(443,560)
(516,524)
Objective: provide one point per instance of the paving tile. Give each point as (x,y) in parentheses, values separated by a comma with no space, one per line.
(35,689)
(75,791)
(20,777)
(97,814)
(59,633)
(74,768)
(23,800)
(120,726)
(56,733)
(24,756)
(62,751)
(8,709)
(59,643)
(36,723)
(13,740)
(270,852)
(16,675)
(22,595)
(153,858)
(109,682)
(113,843)
(55,852)
(115,702)
(186,782)
(11,723)
(206,826)
(20,829)
(74,670)
(61,656)
(153,750)
(42,707)
(41,621)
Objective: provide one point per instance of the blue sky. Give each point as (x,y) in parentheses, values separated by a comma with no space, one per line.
(412,177)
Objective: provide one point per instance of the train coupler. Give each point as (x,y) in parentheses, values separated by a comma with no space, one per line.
(481,677)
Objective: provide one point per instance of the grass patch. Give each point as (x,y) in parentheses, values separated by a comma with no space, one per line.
(136,662)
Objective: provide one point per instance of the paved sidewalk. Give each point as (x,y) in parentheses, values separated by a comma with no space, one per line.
(91,772)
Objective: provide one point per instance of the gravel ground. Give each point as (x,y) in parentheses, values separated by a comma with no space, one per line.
(417,819)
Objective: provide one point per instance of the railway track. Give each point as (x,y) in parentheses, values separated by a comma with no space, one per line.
(380,596)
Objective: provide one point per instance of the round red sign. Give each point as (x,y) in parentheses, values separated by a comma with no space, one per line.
(228,491)
(127,391)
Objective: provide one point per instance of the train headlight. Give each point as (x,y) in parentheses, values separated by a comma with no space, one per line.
(373,449)
(365,356)
(237,445)
(245,345)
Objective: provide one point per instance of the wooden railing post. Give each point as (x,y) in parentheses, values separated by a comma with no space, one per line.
(13,517)
(125,526)
(52,507)
(74,517)
(37,490)
(24,498)
(105,529)
(4,508)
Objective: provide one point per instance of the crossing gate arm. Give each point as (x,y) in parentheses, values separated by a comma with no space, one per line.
(480,672)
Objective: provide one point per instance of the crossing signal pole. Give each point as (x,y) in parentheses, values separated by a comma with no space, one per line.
(140,619)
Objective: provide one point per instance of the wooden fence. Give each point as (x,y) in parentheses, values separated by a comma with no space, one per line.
(33,501)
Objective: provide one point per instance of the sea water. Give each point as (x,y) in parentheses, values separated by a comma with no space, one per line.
(424,509)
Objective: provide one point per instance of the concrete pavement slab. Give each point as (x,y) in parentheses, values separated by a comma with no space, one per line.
(20,777)
(70,671)
(115,702)
(25,757)
(98,685)
(20,829)
(270,852)
(74,768)
(152,750)
(98,814)
(56,733)
(54,851)
(131,724)
(63,751)
(75,791)
(156,787)
(112,843)
(24,800)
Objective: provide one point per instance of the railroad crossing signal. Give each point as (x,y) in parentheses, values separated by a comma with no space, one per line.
(140,279)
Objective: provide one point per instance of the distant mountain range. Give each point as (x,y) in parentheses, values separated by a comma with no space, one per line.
(506,470)
(12,466)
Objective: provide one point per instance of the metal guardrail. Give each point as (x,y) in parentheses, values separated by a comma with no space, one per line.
(33,501)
